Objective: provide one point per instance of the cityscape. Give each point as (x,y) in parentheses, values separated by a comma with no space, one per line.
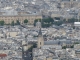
(39,29)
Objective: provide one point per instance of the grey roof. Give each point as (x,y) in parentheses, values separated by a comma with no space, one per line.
(51,42)
(59,42)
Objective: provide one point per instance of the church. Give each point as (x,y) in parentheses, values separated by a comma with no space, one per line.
(45,44)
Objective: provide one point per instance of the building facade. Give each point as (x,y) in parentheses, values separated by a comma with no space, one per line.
(8,19)
(70,3)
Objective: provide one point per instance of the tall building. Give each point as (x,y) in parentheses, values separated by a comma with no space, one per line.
(40,40)
(40,37)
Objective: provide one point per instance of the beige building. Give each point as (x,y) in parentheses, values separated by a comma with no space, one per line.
(65,5)
(12,33)
(77,46)
(21,18)
(70,4)
(40,40)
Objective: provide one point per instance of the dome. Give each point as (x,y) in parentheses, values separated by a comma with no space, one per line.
(38,24)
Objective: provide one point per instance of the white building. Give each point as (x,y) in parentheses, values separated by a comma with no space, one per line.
(77,24)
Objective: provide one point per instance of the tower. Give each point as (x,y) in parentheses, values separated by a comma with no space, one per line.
(40,39)
(38,24)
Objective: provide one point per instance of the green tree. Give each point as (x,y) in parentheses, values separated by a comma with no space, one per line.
(25,21)
(64,47)
(76,42)
(12,23)
(57,18)
(1,23)
(45,25)
(47,22)
(64,21)
(51,20)
(58,23)
(72,46)
(72,20)
(17,22)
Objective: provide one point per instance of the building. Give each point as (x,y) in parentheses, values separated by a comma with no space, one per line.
(30,17)
(69,3)
(40,40)
(9,15)
(77,24)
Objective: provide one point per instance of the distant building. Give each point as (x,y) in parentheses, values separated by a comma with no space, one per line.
(3,56)
(77,24)
(69,3)
(31,17)
(40,40)
(10,15)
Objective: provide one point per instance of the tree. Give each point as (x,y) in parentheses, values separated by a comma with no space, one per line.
(72,46)
(72,20)
(17,22)
(45,25)
(12,23)
(58,23)
(47,22)
(25,21)
(76,42)
(64,47)
(51,20)
(1,23)
(64,21)
(57,18)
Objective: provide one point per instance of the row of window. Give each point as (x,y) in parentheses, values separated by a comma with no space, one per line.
(10,20)
(23,17)
(18,18)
